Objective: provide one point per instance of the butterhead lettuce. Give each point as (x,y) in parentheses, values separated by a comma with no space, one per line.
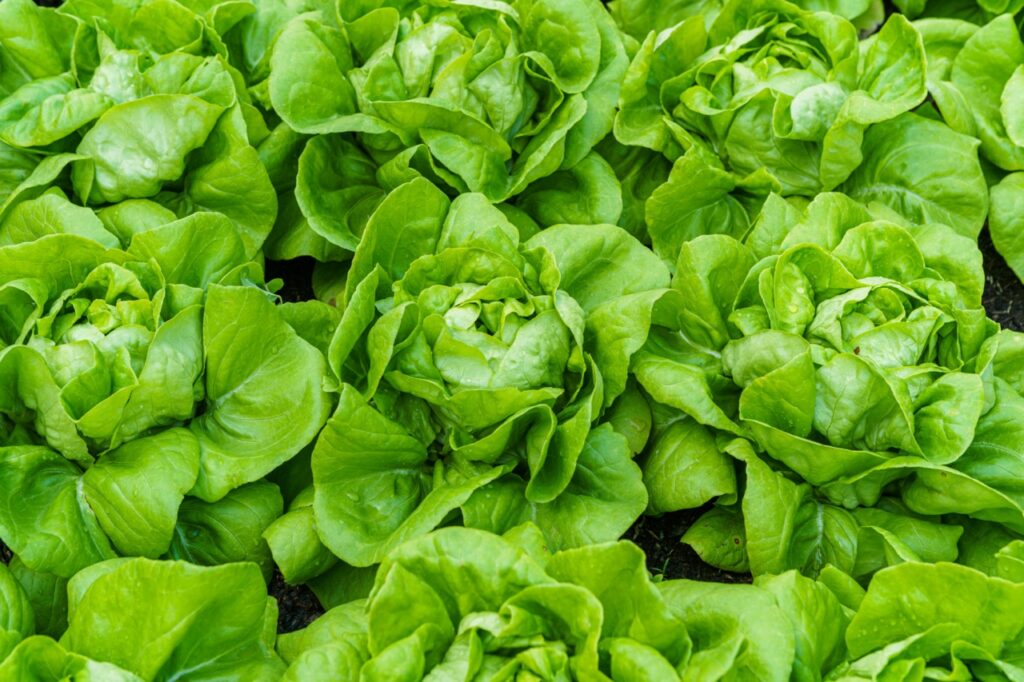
(471,380)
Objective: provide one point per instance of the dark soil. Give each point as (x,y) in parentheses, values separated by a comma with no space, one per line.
(669,558)
(298,606)
(1004,294)
(297,276)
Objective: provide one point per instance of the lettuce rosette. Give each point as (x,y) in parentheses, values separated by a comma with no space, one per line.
(768,96)
(472,381)
(123,391)
(119,125)
(503,607)
(503,99)
(484,606)
(486,93)
(845,361)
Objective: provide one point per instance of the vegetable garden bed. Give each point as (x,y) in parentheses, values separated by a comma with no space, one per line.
(493,340)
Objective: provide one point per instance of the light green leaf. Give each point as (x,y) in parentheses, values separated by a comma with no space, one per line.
(264,396)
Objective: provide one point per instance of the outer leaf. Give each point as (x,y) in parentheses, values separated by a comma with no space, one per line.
(1005,223)
(210,624)
(138,146)
(900,171)
(263,388)
(45,517)
(135,490)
